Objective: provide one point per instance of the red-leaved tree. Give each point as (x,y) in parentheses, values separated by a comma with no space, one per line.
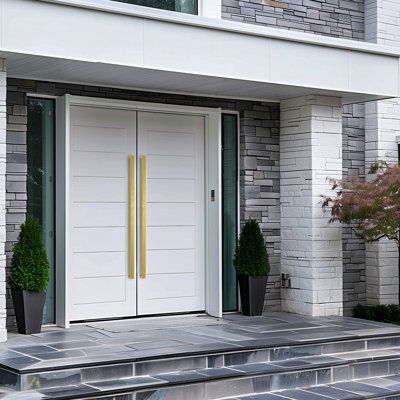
(371,208)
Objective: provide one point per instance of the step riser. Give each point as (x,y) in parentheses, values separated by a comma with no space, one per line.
(212,390)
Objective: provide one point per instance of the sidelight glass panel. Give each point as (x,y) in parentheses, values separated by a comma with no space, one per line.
(230,208)
(40,181)
(184,6)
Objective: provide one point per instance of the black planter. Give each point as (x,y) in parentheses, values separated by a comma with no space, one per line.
(252,294)
(28,308)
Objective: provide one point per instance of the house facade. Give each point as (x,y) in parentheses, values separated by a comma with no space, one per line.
(142,133)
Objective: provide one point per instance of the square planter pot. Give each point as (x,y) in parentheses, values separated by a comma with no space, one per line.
(28,308)
(252,294)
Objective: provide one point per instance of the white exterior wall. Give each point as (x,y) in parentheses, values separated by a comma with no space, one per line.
(3,124)
(311,151)
(382,125)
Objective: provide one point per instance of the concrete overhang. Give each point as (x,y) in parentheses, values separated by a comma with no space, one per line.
(114,44)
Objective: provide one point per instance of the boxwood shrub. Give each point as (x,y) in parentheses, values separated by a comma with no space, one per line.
(30,268)
(251,257)
(382,313)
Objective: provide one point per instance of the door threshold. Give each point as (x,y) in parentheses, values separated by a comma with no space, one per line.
(144,317)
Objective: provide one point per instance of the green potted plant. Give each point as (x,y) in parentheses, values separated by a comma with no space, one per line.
(252,266)
(29,277)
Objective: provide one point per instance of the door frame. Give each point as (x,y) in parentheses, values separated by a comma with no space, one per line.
(213,205)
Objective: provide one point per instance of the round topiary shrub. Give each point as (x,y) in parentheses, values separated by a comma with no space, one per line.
(30,269)
(251,256)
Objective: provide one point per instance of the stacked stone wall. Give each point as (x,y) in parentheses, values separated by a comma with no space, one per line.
(354,286)
(336,18)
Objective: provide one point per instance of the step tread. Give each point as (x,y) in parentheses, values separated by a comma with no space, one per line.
(103,344)
(369,388)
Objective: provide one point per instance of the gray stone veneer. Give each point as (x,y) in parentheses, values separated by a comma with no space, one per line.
(382,127)
(338,18)
(354,287)
(259,126)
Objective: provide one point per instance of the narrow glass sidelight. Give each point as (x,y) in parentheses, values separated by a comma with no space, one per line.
(229,209)
(41,183)
(183,6)
(143,253)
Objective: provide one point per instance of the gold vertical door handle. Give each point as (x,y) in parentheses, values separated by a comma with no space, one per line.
(143,258)
(131,217)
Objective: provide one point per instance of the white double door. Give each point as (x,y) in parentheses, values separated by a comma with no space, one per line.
(136,234)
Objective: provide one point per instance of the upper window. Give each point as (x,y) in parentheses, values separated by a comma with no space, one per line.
(184,6)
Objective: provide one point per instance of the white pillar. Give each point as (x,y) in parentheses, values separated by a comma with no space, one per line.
(311,152)
(382,125)
(3,122)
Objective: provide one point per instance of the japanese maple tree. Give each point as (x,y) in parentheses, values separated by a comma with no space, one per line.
(371,208)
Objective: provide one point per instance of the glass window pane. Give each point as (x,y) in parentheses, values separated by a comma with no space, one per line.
(184,6)
(40,181)
(230,209)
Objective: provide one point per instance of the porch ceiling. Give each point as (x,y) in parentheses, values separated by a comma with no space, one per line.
(113,44)
(119,76)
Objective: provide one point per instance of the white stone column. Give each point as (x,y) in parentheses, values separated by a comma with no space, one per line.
(382,125)
(311,152)
(3,122)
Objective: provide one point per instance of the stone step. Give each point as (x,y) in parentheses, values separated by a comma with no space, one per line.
(75,371)
(235,379)
(379,388)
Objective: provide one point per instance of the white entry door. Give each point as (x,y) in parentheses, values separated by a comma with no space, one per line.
(172,240)
(101,142)
(136,234)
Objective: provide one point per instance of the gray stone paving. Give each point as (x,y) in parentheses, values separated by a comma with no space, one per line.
(136,339)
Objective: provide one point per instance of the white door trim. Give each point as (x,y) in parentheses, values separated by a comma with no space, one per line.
(213,207)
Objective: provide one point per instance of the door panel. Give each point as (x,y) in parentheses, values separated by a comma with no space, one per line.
(174,147)
(98,239)
(182,260)
(165,214)
(170,237)
(98,164)
(101,141)
(98,189)
(90,215)
(100,137)
(171,191)
(171,167)
(98,264)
